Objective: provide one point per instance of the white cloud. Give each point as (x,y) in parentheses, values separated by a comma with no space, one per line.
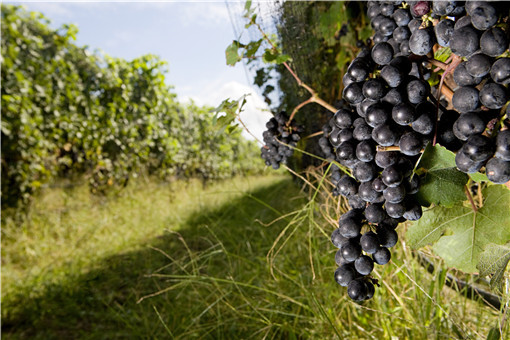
(203,13)
(50,9)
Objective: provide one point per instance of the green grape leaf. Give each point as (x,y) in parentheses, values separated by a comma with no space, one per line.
(479,177)
(493,261)
(494,334)
(232,54)
(442,183)
(226,113)
(271,56)
(443,54)
(460,234)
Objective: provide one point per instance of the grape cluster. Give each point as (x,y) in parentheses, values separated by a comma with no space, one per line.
(279,139)
(482,91)
(391,106)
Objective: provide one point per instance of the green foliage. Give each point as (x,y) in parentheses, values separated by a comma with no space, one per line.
(460,234)
(67,112)
(493,261)
(442,183)
(78,266)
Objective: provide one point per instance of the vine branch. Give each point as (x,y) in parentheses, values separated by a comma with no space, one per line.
(468,194)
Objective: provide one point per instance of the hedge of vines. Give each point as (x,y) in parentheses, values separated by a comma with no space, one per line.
(69,112)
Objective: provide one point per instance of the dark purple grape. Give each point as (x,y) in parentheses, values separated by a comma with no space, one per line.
(362,132)
(374,89)
(392,176)
(498,170)
(465,99)
(391,75)
(347,186)
(412,185)
(351,251)
(365,151)
(414,24)
(393,97)
(369,242)
(339,259)
(494,42)
(362,107)
(358,70)
(413,211)
(484,16)
(370,290)
(353,93)
(500,71)
(384,135)
(410,144)
(337,239)
(401,17)
(424,124)
(383,159)
(345,274)
(388,237)
(357,290)
(462,77)
(395,210)
(420,8)
(395,194)
(503,145)
(466,164)
(382,256)
(478,65)
(479,148)
(377,114)
(417,91)
(364,265)
(421,41)
(365,171)
(343,118)
(367,193)
(387,26)
(493,95)
(464,41)
(378,185)
(403,114)
(444,31)
(382,53)
(468,124)
(374,213)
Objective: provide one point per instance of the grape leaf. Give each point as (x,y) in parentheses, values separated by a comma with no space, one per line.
(460,234)
(443,54)
(494,260)
(442,183)
(232,54)
(479,177)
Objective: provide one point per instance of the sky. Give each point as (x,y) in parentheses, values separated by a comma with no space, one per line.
(190,35)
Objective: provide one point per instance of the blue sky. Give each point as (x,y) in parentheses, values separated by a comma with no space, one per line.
(190,36)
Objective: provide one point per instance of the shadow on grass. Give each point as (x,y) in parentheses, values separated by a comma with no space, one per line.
(225,243)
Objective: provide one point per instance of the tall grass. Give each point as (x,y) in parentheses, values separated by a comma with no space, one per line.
(241,259)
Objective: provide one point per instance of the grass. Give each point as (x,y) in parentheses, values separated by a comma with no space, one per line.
(241,259)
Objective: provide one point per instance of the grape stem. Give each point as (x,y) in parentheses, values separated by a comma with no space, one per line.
(468,194)
(456,60)
(297,108)
(314,134)
(438,63)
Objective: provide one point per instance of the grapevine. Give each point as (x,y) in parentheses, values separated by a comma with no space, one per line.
(423,119)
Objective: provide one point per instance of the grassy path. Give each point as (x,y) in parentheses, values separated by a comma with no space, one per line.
(186,262)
